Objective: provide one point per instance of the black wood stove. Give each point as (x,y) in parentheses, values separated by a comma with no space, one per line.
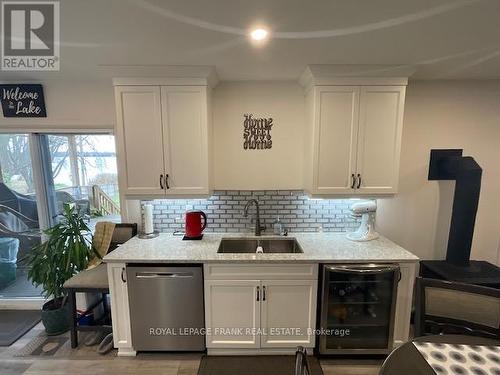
(449,164)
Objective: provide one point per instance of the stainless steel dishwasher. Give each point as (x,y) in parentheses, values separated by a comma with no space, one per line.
(166,307)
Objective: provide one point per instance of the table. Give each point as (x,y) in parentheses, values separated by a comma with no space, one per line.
(406,360)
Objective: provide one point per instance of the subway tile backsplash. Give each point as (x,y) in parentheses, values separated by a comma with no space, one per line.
(224,210)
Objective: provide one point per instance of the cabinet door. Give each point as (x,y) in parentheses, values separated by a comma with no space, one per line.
(120,312)
(232,313)
(379,139)
(185,124)
(288,313)
(336,125)
(139,138)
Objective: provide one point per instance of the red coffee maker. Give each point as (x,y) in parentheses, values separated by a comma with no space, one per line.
(194,226)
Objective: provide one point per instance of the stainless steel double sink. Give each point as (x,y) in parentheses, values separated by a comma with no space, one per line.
(250,245)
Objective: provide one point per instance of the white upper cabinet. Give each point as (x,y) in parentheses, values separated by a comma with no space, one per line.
(335,132)
(185,139)
(379,139)
(355,139)
(163,138)
(139,133)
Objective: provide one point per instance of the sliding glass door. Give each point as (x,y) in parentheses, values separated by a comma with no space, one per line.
(19,216)
(39,174)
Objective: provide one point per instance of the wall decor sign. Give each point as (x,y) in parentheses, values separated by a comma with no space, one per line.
(257,133)
(22,100)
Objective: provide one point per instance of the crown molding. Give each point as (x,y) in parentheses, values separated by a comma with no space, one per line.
(354,75)
(170,76)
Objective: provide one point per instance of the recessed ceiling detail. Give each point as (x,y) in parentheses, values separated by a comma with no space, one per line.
(440,39)
(382,24)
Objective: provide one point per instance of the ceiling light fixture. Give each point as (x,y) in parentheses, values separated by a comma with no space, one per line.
(259,34)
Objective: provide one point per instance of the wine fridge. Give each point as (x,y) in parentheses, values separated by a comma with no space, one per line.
(357,308)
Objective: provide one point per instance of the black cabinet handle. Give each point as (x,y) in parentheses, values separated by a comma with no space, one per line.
(359,181)
(166,181)
(123,275)
(353,178)
(264,293)
(258,293)
(161,181)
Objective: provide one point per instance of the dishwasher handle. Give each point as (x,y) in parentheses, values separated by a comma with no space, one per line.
(164,275)
(363,270)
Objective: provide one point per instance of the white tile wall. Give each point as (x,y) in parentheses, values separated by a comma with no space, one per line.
(224,210)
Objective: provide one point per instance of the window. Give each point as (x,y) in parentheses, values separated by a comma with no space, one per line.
(84,172)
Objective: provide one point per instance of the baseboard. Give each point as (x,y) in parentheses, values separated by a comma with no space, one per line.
(126,352)
(21,303)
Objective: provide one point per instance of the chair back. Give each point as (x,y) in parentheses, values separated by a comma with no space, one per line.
(21,203)
(444,307)
(121,234)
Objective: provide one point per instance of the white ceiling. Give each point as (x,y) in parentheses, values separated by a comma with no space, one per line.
(442,39)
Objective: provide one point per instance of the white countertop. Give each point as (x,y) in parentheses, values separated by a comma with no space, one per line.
(317,247)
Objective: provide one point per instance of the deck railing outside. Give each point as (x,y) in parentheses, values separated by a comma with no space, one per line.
(103,203)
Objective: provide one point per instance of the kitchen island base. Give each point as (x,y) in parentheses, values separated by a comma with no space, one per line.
(265,294)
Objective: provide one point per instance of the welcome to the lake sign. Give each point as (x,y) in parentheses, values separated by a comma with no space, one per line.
(23,100)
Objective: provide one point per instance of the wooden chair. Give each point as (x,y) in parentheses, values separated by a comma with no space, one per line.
(444,307)
(95,280)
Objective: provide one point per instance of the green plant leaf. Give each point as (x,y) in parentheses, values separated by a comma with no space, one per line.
(66,251)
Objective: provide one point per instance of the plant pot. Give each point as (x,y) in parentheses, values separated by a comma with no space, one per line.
(56,320)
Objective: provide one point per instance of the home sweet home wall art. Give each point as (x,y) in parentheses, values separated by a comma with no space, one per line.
(257,133)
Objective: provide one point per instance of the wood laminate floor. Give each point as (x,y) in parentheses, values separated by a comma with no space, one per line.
(85,361)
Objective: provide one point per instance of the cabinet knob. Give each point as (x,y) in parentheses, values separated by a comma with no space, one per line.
(166,181)
(359,181)
(353,178)
(258,293)
(264,293)
(161,181)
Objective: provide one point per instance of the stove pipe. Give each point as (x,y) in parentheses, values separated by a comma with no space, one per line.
(451,165)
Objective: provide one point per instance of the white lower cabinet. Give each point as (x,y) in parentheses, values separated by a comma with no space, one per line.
(288,313)
(120,311)
(232,313)
(260,314)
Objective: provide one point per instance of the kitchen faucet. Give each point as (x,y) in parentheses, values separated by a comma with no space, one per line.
(258,228)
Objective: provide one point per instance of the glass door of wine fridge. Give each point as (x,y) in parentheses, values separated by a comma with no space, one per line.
(358,306)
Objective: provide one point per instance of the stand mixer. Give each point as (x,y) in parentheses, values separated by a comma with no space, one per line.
(366,231)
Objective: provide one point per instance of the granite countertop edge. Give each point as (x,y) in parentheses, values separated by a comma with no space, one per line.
(317,248)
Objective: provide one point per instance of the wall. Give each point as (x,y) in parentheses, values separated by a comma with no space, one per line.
(224,210)
(70,105)
(438,114)
(280,166)
(446,114)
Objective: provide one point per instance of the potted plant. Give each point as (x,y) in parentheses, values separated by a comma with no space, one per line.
(66,251)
